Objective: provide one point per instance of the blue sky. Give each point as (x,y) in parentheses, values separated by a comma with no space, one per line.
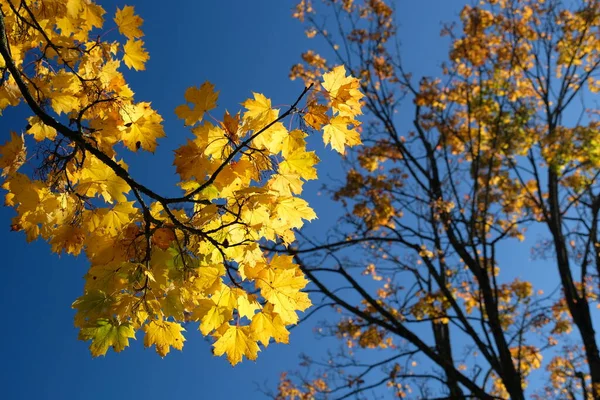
(241,47)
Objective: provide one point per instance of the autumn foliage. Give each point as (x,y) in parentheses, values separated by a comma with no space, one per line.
(497,152)
(156,262)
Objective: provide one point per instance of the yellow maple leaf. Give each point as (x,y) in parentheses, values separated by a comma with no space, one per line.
(281,261)
(74,8)
(281,288)
(255,216)
(259,112)
(64,93)
(112,220)
(212,315)
(337,134)
(203,99)
(164,335)
(231,125)
(190,161)
(107,333)
(236,343)
(225,297)
(91,15)
(172,304)
(266,325)
(300,162)
(66,25)
(213,139)
(101,249)
(335,80)
(12,154)
(110,77)
(10,95)
(209,278)
(142,126)
(128,23)
(39,130)
(98,178)
(69,238)
(316,117)
(23,192)
(272,139)
(257,107)
(292,142)
(246,304)
(291,211)
(249,271)
(344,92)
(286,184)
(135,55)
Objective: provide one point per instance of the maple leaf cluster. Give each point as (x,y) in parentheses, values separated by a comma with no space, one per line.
(157,262)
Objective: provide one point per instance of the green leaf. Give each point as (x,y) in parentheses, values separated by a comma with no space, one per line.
(107,333)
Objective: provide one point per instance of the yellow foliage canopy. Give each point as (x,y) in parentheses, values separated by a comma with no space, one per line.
(156,261)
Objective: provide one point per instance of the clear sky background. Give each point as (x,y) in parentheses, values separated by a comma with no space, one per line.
(241,46)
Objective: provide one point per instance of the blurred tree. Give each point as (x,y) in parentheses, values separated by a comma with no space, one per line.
(502,142)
